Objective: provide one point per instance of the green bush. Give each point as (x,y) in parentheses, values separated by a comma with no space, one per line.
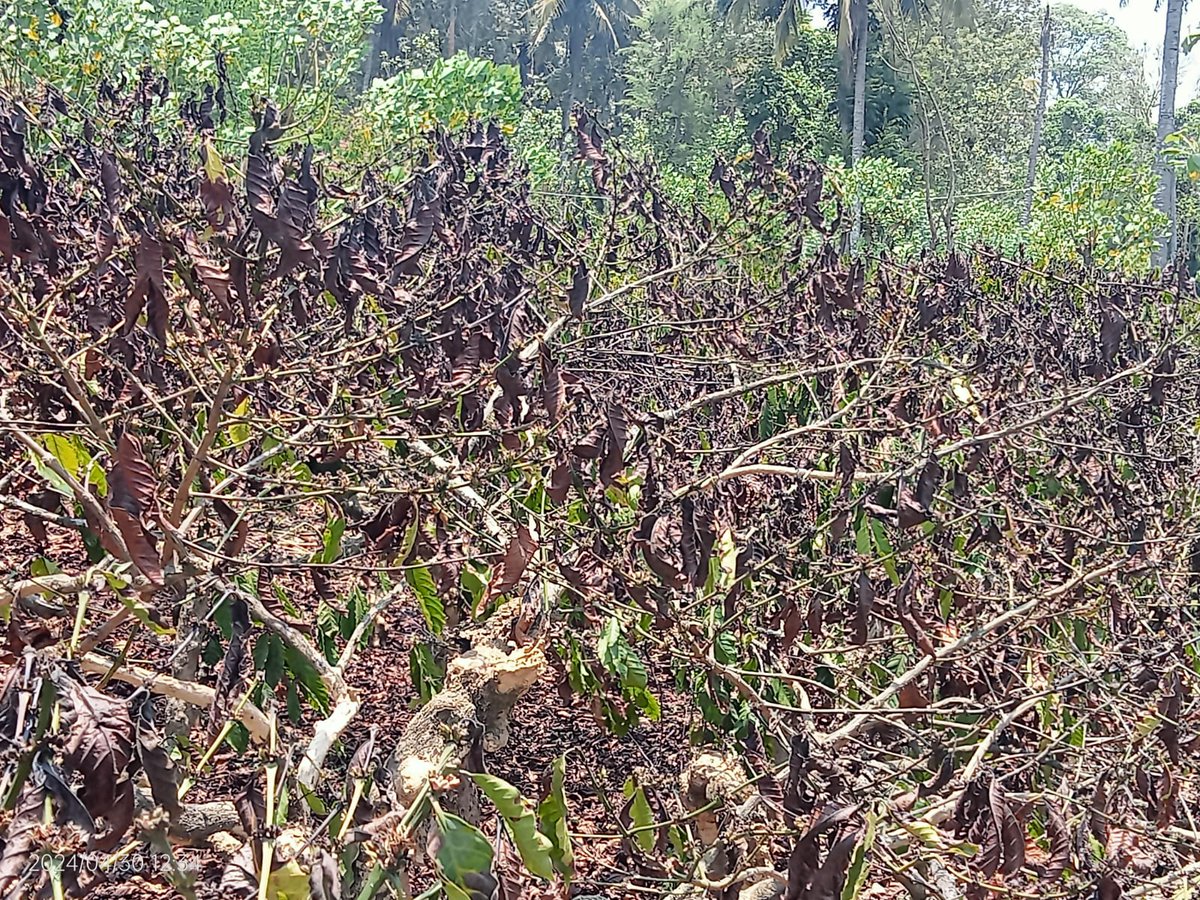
(300,53)
(1096,203)
(893,213)
(393,111)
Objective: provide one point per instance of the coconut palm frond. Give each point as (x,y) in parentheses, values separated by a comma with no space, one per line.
(602,17)
(736,12)
(845,40)
(787,25)
(542,15)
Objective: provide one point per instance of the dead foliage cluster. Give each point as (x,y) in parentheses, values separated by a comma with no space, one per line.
(915,542)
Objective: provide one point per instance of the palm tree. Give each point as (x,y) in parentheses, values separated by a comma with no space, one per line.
(1039,119)
(1165,198)
(853,20)
(853,25)
(852,42)
(581,31)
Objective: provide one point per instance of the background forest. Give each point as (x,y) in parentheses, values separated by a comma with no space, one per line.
(935,102)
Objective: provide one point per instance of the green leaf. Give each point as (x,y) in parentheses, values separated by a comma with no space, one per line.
(262,647)
(238,737)
(285,600)
(91,545)
(924,832)
(214,167)
(328,630)
(288,882)
(725,648)
(645,701)
(410,538)
(309,678)
(606,647)
(51,477)
(65,450)
(293,702)
(92,472)
(275,662)
(474,584)
(634,671)
(222,617)
(140,613)
(1145,726)
(517,812)
(239,430)
(356,608)
(430,604)
(862,537)
(552,812)
(727,554)
(462,849)
(883,548)
(247,581)
(619,658)
(427,675)
(860,863)
(41,567)
(332,541)
(643,819)
(881,538)
(74,456)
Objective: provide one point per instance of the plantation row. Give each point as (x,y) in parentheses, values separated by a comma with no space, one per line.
(338,516)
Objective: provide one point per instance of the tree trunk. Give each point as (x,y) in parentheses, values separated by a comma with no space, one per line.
(452,30)
(1039,118)
(375,49)
(1165,199)
(927,180)
(383,40)
(858,123)
(575,61)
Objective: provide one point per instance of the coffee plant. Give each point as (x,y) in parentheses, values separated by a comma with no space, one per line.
(869,578)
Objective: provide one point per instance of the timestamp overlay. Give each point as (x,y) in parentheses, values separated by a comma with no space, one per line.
(140,862)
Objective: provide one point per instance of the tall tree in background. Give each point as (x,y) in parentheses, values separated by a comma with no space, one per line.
(1098,88)
(852,42)
(856,22)
(678,73)
(785,14)
(852,23)
(1096,77)
(972,111)
(1039,118)
(1165,198)
(585,33)
(1091,54)
(384,37)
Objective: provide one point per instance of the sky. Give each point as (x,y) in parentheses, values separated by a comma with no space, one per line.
(1144,24)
